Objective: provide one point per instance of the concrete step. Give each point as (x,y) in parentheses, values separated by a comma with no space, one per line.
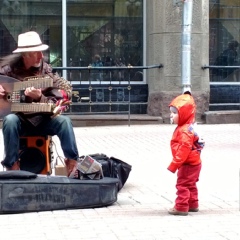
(222,117)
(211,117)
(114,119)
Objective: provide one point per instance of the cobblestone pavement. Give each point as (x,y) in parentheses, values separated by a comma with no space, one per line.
(141,209)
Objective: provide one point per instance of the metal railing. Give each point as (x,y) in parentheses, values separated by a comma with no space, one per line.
(103,90)
(109,68)
(219,67)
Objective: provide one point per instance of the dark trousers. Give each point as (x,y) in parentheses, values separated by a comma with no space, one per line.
(187,192)
(13,128)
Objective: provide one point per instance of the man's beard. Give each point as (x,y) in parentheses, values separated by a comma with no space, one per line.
(37,65)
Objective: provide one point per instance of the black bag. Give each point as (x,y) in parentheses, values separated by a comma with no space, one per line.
(113,167)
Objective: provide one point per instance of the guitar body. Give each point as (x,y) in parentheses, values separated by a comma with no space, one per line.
(5,105)
(14,100)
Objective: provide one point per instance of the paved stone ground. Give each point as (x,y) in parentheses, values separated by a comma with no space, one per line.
(141,210)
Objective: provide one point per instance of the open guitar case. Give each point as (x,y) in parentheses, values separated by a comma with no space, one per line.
(23,191)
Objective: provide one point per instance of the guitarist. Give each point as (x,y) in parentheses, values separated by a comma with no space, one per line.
(27,61)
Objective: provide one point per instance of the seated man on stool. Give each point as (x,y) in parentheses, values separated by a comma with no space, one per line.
(27,61)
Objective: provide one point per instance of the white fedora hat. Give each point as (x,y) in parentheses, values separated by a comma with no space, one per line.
(30,42)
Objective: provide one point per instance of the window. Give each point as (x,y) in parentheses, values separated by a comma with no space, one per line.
(224,39)
(108,30)
(105,33)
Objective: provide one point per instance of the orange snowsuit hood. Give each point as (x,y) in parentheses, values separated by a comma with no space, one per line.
(186,108)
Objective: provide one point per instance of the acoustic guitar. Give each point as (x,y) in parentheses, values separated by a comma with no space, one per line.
(13,100)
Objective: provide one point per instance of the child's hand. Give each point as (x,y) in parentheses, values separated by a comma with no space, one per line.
(171,169)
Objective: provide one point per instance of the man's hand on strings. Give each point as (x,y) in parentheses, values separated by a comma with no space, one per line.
(2,92)
(33,93)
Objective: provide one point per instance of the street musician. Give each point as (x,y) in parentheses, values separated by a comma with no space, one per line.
(27,61)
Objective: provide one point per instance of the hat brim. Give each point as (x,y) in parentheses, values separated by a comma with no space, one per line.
(40,48)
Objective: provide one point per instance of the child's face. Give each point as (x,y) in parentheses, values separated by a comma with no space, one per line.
(174,117)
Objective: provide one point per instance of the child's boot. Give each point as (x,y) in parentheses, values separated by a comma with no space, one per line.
(174,211)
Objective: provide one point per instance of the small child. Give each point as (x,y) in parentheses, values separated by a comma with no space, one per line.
(186,148)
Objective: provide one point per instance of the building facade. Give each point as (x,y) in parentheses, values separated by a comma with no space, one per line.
(164,45)
(125,33)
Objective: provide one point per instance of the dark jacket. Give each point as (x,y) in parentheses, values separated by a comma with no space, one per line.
(51,94)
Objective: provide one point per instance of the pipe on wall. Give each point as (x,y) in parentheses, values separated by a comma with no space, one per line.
(186,45)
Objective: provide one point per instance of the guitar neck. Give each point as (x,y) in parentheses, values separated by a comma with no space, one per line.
(31,107)
(38,82)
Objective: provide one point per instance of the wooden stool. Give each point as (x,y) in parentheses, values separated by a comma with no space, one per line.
(35,154)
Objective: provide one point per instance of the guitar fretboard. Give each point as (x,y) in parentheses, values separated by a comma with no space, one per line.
(38,82)
(31,107)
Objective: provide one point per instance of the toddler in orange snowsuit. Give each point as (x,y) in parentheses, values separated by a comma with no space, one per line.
(186,149)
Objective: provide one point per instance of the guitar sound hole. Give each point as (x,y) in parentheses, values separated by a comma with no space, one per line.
(9,97)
